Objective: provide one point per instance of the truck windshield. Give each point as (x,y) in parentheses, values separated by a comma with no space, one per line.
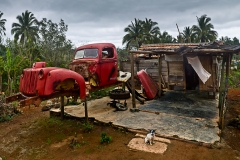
(86,53)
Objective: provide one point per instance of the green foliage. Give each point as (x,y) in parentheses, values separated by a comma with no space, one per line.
(234,79)
(76,144)
(2,27)
(100,93)
(204,30)
(56,48)
(26,29)
(229,41)
(122,54)
(5,118)
(87,127)
(166,38)
(105,138)
(72,102)
(49,141)
(4,158)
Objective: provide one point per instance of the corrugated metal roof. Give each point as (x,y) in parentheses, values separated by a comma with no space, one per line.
(188,48)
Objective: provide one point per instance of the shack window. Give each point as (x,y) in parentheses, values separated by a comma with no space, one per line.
(86,53)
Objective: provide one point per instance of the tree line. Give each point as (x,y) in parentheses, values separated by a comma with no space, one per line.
(146,32)
(33,41)
(44,40)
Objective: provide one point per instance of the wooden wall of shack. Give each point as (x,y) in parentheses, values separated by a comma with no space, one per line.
(173,72)
(151,66)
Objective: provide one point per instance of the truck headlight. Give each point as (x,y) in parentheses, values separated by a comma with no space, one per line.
(41,74)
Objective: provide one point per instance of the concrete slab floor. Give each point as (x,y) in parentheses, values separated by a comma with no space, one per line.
(186,115)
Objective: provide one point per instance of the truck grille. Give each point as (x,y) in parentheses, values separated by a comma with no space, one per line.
(28,82)
(82,69)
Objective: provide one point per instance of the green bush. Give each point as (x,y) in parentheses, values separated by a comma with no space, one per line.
(234,79)
(87,127)
(105,138)
(100,93)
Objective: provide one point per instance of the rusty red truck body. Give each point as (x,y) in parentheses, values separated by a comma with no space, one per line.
(97,63)
(94,66)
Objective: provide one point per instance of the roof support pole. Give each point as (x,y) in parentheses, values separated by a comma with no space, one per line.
(220,102)
(132,81)
(160,75)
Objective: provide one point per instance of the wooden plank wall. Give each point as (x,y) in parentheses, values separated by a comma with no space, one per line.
(207,65)
(150,64)
(176,75)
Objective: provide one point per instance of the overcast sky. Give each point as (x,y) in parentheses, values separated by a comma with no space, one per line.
(104,20)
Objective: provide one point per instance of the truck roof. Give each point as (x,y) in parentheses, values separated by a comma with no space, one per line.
(96,45)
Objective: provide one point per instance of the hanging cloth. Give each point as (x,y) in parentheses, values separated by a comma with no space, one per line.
(197,66)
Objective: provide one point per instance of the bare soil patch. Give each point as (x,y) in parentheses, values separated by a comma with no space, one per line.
(34,135)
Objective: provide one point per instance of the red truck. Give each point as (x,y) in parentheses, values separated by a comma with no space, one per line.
(93,67)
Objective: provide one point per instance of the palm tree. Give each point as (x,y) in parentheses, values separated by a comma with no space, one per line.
(166,38)
(134,34)
(150,31)
(2,26)
(188,35)
(26,29)
(203,30)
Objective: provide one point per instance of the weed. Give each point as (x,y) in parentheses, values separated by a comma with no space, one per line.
(100,93)
(5,118)
(105,138)
(72,103)
(90,150)
(3,158)
(59,137)
(49,141)
(87,127)
(76,144)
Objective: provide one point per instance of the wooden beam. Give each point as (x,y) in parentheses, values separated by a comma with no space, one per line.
(221,91)
(86,110)
(132,82)
(62,107)
(214,75)
(160,75)
(224,107)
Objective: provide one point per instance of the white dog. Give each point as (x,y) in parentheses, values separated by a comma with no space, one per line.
(150,136)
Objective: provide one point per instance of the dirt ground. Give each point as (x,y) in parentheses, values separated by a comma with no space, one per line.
(33,135)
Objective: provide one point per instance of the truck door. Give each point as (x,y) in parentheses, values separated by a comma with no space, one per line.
(109,66)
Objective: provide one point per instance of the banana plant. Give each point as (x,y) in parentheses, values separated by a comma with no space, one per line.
(11,65)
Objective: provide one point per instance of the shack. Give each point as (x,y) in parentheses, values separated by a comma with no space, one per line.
(203,67)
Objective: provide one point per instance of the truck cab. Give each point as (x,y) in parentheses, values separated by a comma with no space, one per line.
(97,63)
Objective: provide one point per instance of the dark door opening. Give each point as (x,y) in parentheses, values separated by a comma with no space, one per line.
(191,77)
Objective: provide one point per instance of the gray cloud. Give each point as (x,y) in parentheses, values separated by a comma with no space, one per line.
(104,21)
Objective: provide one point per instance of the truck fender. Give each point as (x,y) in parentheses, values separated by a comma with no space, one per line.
(57,76)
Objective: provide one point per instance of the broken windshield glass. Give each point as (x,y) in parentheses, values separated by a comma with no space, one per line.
(86,53)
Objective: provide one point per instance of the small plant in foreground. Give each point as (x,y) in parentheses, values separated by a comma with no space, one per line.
(49,141)
(87,127)
(105,138)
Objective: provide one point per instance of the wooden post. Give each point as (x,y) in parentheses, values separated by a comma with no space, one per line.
(225,92)
(160,75)
(220,106)
(86,110)
(213,76)
(132,81)
(62,107)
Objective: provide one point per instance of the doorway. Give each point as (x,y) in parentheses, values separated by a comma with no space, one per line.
(191,77)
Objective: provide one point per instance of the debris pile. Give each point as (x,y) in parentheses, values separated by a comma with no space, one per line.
(7,111)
